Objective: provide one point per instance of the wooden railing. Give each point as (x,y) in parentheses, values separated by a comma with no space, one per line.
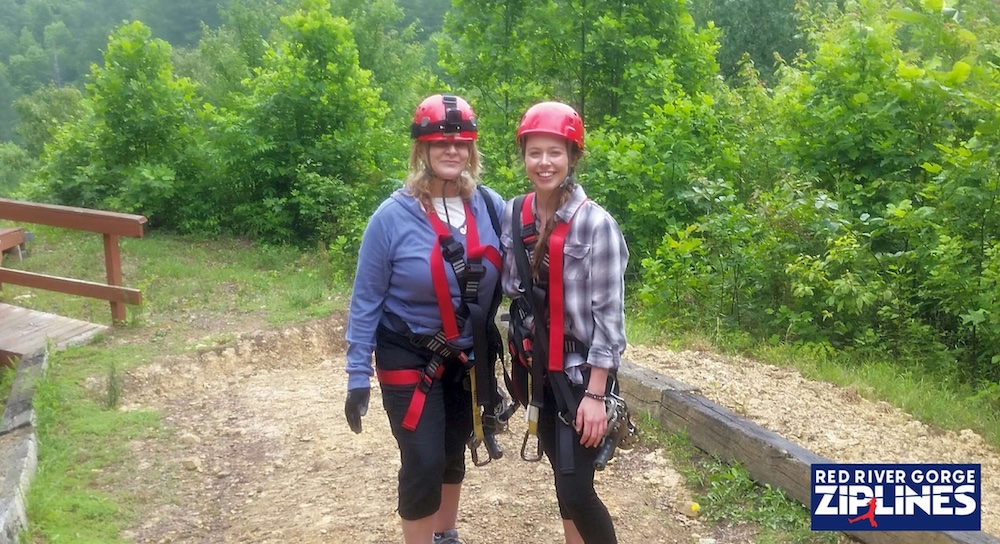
(110,224)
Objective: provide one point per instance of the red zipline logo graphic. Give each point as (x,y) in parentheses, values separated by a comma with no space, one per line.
(869,515)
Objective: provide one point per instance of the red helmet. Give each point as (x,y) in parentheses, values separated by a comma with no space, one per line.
(553,118)
(444,117)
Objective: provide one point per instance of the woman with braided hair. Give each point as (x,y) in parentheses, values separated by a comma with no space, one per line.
(564,267)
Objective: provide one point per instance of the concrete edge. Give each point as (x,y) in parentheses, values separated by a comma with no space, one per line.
(19,448)
(20,461)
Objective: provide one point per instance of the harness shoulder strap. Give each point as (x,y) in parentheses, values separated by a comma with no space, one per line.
(490,209)
(535,296)
(552,337)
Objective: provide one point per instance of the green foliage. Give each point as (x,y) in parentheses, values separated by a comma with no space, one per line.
(82,443)
(178,22)
(16,165)
(41,113)
(7,94)
(504,55)
(881,237)
(312,175)
(681,138)
(224,58)
(877,107)
(53,43)
(625,67)
(426,15)
(726,493)
(391,54)
(8,371)
(763,31)
(136,146)
(114,387)
(632,51)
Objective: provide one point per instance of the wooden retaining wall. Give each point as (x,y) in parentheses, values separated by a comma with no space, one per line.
(769,458)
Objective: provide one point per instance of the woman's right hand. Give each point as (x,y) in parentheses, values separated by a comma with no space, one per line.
(356,406)
(591,421)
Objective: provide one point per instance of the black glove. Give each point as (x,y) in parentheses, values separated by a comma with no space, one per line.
(356,406)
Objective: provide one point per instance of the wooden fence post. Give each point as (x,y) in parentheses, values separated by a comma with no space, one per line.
(112,263)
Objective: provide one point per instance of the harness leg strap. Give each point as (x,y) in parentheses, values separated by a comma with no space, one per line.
(422,380)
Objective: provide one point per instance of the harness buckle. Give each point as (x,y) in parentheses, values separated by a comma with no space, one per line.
(529,232)
(452,249)
(427,379)
(475,271)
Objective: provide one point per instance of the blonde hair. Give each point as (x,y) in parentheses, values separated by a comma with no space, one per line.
(418,180)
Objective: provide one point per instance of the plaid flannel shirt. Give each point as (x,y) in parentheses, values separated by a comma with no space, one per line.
(595,256)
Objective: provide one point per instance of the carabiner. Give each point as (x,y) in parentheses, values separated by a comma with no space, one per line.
(532,417)
(474,444)
(524,449)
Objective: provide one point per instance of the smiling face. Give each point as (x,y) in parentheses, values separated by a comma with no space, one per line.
(546,161)
(448,158)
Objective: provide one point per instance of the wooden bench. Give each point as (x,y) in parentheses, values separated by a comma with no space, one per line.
(11,238)
(109,224)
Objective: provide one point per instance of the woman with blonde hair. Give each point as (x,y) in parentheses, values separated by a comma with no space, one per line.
(423,302)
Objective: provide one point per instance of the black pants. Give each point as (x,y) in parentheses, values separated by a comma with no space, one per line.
(433,453)
(578,501)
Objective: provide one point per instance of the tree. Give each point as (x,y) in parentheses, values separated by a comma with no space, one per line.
(427,15)
(31,68)
(178,22)
(225,58)
(41,114)
(307,142)
(629,51)
(389,51)
(503,61)
(611,59)
(136,147)
(763,30)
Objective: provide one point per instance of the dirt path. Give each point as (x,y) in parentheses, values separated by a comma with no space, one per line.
(261,452)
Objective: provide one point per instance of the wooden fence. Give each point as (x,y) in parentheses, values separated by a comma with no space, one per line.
(111,225)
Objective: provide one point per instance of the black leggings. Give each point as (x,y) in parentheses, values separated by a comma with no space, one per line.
(578,501)
(433,453)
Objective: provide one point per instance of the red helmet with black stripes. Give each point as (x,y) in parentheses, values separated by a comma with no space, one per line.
(444,117)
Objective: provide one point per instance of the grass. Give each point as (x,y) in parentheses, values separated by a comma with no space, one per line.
(726,494)
(195,292)
(199,292)
(183,278)
(7,375)
(83,457)
(932,398)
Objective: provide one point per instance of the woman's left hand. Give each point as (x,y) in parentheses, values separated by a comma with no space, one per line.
(591,422)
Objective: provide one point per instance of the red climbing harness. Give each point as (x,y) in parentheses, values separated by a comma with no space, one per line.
(469,271)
